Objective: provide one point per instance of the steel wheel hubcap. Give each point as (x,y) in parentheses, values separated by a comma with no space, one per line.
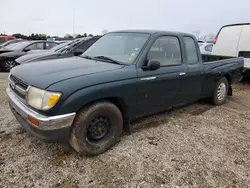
(98,128)
(9,64)
(221,93)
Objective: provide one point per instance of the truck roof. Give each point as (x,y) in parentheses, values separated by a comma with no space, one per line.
(152,32)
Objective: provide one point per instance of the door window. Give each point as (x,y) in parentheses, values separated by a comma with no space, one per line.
(166,50)
(39,46)
(36,46)
(2,39)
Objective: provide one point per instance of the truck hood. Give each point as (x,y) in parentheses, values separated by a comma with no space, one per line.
(33,56)
(42,74)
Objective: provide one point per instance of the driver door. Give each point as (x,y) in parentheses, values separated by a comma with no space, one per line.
(160,89)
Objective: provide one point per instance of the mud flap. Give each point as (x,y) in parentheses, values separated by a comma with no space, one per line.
(230,91)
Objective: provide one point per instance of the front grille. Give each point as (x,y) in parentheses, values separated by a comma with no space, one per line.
(18,86)
(19,82)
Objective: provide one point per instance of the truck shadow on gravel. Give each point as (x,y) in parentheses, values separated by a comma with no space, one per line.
(150,121)
(194,109)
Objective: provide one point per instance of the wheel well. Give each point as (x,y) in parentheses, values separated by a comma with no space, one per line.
(121,105)
(228,79)
(3,60)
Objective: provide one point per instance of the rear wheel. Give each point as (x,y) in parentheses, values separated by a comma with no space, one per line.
(220,92)
(8,64)
(97,128)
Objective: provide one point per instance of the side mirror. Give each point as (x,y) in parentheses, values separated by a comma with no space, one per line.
(152,65)
(78,52)
(26,49)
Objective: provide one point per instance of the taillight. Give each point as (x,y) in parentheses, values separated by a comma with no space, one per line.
(215,39)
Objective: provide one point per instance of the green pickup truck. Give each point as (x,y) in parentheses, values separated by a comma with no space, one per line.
(90,99)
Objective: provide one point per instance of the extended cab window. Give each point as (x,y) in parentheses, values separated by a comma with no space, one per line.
(166,50)
(191,50)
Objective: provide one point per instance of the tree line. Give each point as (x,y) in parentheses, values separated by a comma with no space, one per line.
(39,36)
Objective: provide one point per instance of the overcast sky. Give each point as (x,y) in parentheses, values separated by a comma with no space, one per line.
(55,17)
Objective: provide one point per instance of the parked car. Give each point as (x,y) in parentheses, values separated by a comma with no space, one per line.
(234,40)
(55,48)
(75,47)
(6,38)
(16,50)
(206,48)
(89,99)
(5,44)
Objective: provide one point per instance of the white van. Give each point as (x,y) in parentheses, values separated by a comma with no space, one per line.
(234,40)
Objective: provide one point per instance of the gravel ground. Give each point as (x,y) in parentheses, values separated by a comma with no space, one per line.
(197,146)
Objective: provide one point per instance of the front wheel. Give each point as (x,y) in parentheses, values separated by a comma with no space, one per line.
(220,93)
(8,64)
(97,128)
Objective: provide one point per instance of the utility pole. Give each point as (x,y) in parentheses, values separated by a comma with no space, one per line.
(74,22)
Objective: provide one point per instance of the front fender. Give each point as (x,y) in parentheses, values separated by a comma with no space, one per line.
(73,102)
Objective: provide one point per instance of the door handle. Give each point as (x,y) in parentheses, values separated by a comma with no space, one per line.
(149,78)
(182,74)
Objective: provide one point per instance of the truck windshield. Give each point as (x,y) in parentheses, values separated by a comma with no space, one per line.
(121,47)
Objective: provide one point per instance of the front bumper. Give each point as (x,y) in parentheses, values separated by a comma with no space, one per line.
(51,128)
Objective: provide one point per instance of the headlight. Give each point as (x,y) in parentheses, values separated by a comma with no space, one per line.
(41,99)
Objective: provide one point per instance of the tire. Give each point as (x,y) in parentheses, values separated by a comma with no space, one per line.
(220,93)
(101,115)
(8,64)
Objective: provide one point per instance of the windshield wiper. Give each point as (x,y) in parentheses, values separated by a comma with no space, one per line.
(108,59)
(86,57)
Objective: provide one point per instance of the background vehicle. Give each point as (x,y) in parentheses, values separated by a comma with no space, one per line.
(206,48)
(6,38)
(55,48)
(75,47)
(124,75)
(234,40)
(13,51)
(5,44)
(205,41)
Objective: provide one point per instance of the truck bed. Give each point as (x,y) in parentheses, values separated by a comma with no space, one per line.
(212,58)
(218,66)
(221,64)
